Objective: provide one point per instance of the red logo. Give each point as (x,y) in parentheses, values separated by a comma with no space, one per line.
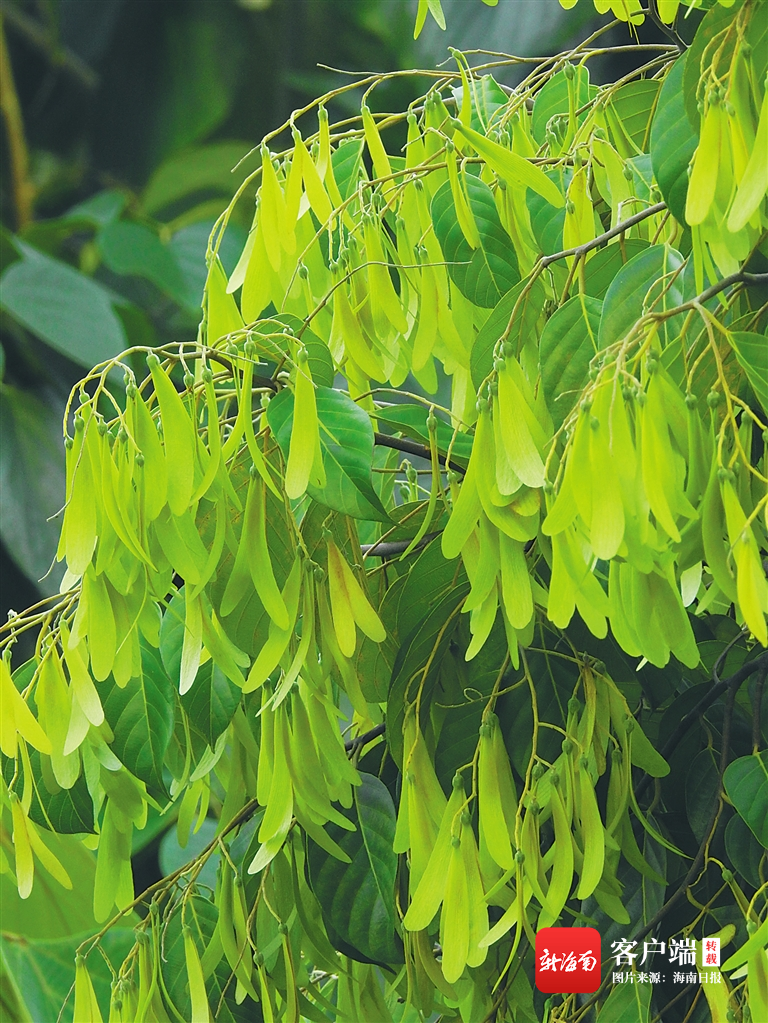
(567,960)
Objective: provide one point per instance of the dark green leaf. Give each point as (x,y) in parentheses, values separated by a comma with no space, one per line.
(634,104)
(528,312)
(744,851)
(418,663)
(752,352)
(135,250)
(67,811)
(346,435)
(746,782)
(357,898)
(207,168)
(141,718)
(673,140)
(201,916)
(487,97)
(627,1003)
(347,162)
(553,99)
(44,971)
(319,357)
(486,273)
(172,856)
(188,246)
(641,285)
(702,786)
(568,342)
(412,421)
(211,702)
(606,263)
(715,23)
(100,209)
(546,220)
(31,484)
(68,310)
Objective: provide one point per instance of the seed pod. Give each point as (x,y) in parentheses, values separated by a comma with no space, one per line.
(221,313)
(17,718)
(592,832)
(305,460)
(86,1008)
(429,893)
(349,604)
(522,452)
(201,1012)
(491,811)
(277,639)
(754,182)
(455,918)
(179,438)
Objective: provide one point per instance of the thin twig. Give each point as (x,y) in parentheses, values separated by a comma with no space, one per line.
(58,55)
(669,30)
(411,447)
(581,250)
(365,738)
(23,189)
(394,547)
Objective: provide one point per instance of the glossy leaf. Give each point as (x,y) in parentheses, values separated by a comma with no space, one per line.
(346,437)
(606,263)
(750,350)
(357,898)
(69,311)
(568,342)
(486,273)
(637,288)
(627,1003)
(211,702)
(141,717)
(553,99)
(526,317)
(744,851)
(134,249)
(634,104)
(546,220)
(673,141)
(411,420)
(746,783)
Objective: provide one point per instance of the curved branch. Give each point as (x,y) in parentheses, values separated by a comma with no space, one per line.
(412,447)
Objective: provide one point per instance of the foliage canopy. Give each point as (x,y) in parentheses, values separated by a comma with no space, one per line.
(426,707)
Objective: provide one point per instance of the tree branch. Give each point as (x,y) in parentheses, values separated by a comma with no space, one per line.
(582,250)
(669,30)
(411,447)
(23,189)
(365,738)
(391,548)
(58,55)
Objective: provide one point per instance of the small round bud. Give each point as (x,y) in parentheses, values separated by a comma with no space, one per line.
(691,401)
(140,459)
(189,380)
(499,365)
(520,857)
(458,781)
(153,360)
(569,71)
(130,391)
(627,172)
(466,818)
(303,272)
(594,423)
(68,443)
(713,399)
(583,762)
(641,397)
(508,349)
(585,404)
(549,487)
(455,842)
(302,356)
(206,376)
(432,422)
(555,778)
(751,927)
(485,730)
(79,422)
(283,928)
(101,427)
(567,746)
(629,725)
(538,770)
(570,207)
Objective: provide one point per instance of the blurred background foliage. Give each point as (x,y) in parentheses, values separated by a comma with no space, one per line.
(122,122)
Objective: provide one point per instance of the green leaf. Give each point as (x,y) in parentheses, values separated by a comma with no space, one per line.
(487,97)
(702,786)
(320,361)
(411,420)
(68,310)
(171,856)
(606,263)
(101,209)
(358,898)
(141,718)
(347,162)
(627,1003)
(751,351)
(744,851)
(568,342)
(211,702)
(68,811)
(204,169)
(52,911)
(486,273)
(481,359)
(200,915)
(643,283)
(634,104)
(673,140)
(418,663)
(553,99)
(346,435)
(546,220)
(717,22)
(746,783)
(44,971)
(136,250)
(31,484)
(189,245)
